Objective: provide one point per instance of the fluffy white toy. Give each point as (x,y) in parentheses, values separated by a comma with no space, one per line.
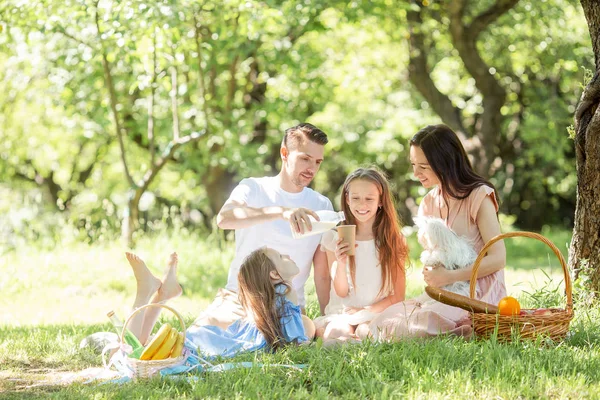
(443,247)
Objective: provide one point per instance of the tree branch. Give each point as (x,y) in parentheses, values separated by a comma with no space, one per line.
(232,87)
(40,180)
(464,39)
(84,174)
(62,31)
(486,18)
(113,98)
(202,86)
(167,154)
(186,76)
(212,79)
(151,103)
(420,75)
(174,108)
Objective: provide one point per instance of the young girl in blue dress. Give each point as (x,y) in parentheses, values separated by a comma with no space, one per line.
(272,320)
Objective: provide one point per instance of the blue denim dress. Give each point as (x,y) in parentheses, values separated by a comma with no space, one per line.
(243,336)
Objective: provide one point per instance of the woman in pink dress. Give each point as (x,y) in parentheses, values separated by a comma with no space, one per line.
(469,205)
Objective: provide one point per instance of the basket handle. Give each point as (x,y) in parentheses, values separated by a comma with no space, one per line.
(149,306)
(483,252)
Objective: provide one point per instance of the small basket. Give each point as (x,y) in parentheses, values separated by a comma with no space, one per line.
(555,325)
(147,368)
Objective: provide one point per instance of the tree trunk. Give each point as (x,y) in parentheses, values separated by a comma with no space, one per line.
(219,184)
(586,236)
(131,218)
(485,132)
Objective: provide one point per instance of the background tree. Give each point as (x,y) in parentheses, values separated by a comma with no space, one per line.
(489,93)
(208,66)
(584,254)
(232,75)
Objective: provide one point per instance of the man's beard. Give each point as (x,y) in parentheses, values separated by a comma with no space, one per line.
(298,181)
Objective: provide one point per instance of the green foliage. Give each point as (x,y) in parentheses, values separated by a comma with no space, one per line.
(243,72)
(551,294)
(588,75)
(540,67)
(571,132)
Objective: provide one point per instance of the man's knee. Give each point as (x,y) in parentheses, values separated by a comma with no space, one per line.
(223,311)
(209,319)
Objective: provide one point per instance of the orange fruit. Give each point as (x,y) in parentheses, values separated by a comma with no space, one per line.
(509,306)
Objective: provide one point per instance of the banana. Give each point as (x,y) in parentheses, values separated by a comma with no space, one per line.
(156,342)
(167,346)
(178,348)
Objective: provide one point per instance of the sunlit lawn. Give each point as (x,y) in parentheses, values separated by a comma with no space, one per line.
(80,283)
(54,298)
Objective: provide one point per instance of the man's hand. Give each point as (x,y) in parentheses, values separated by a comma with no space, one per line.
(298,218)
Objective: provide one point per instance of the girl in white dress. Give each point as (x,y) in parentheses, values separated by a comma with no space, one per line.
(374,278)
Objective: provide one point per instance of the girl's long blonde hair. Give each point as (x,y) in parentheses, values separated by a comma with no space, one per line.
(259,298)
(391,246)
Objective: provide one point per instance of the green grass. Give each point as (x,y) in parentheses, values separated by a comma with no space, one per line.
(53,299)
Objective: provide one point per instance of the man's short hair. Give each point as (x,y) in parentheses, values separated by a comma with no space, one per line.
(303,131)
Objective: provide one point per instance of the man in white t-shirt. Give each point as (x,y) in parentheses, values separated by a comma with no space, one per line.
(264,210)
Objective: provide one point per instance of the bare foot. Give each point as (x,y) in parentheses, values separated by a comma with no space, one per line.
(147,284)
(169,288)
(464,330)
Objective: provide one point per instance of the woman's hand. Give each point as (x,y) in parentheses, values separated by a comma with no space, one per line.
(437,276)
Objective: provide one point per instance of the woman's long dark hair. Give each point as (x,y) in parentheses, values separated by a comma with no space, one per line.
(448,159)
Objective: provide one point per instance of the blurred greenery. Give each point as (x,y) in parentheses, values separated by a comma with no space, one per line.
(232,75)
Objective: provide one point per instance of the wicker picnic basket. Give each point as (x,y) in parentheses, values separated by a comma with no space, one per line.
(555,325)
(147,368)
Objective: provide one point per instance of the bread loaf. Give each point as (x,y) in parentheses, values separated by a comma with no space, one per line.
(457,300)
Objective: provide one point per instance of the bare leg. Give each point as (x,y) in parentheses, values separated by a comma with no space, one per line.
(362,331)
(309,327)
(338,330)
(321,327)
(147,285)
(320,332)
(168,289)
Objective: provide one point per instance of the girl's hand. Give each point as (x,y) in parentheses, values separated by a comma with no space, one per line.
(352,310)
(341,251)
(437,276)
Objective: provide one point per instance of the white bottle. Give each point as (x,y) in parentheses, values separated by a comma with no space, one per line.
(327,220)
